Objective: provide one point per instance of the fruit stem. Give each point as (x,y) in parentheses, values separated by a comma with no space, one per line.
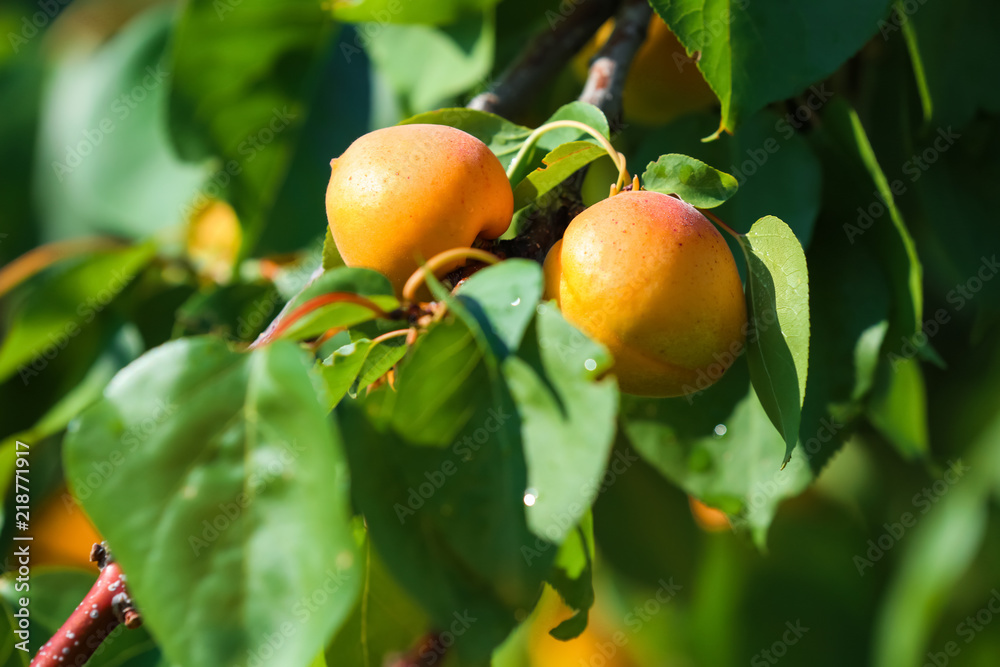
(615,156)
(414,282)
(714,218)
(387,336)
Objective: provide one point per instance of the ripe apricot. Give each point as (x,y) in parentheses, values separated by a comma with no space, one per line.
(652,279)
(402,194)
(663,82)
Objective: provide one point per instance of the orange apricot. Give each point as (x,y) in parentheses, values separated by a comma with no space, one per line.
(652,279)
(400,195)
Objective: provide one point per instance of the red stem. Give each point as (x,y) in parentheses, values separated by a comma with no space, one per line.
(106,605)
(311,305)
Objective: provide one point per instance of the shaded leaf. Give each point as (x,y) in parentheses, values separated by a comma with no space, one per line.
(558,165)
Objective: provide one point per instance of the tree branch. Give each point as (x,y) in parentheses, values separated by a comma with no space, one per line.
(544,57)
(609,69)
(107,605)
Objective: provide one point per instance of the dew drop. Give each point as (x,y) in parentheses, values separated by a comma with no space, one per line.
(516,302)
(720,430)
(590,364)
(530,496)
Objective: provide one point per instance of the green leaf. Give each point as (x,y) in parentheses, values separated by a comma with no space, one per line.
(104,161)
(503,299)
(572,578)
(558,165)
(692,180)
(754,53)
(380,358)
(581,112)
(719,446)
(340,369)
(247,108)
(331,256)
(427,65)
(567,421)
(439,385)
(364,282)
(503,137)
(66,302)
(898,407)
(449,523)
(245,460)
(848,149)
(382,12)
(778,307)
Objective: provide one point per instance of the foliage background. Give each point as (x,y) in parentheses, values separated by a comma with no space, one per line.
(870,129)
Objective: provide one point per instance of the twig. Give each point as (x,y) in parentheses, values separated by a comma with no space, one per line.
(544,57)
(609,68)
(107,605)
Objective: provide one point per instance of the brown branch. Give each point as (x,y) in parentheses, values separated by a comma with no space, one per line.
(545,56)
(609,68)
(107,605)
(427,651)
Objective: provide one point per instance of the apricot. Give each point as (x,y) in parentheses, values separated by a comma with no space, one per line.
(663,83)
(402,194)
(652,279)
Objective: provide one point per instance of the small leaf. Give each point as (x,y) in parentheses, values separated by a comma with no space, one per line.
(245,461)
(778,307)
(380,358)
(572,578)
(581,112)
(340,369)
(559,165)
(331,256)
(364,282)
(692,180)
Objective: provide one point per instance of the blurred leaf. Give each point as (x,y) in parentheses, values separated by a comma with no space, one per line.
(778,307)
(245,460)
(428,65)
(54,595)
(379,359)
(66,302)
(777,172)
(503,298)
(898,407)
(692,180)
(247,109)
(237,311)
(558,165)
(104,161)
(916,58)
(331,256)
(503,137)
(745,46)
(432,12)
(572,578)
(567,421)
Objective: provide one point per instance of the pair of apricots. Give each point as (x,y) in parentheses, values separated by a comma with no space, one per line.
(643,273)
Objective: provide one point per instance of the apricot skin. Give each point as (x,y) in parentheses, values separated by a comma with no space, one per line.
(652,279)
(402,194)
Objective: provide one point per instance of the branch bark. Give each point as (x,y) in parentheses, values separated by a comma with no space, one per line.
(544,57)
(107,605)
(609,69)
